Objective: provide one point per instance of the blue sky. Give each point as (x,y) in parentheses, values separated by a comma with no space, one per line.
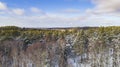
(59,13)
(49,5)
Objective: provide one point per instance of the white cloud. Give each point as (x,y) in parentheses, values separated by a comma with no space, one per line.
(106,6)
(2,12)
(9,11)
(18,11)
(40,21)
(3,6)
(36,10)
(59,21)
(71,11)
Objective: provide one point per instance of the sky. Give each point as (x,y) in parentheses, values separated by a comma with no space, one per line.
(59,13)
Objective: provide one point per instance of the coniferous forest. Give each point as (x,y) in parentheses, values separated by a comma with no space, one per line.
(60,47)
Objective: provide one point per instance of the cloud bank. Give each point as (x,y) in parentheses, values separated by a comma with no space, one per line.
(3,6)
